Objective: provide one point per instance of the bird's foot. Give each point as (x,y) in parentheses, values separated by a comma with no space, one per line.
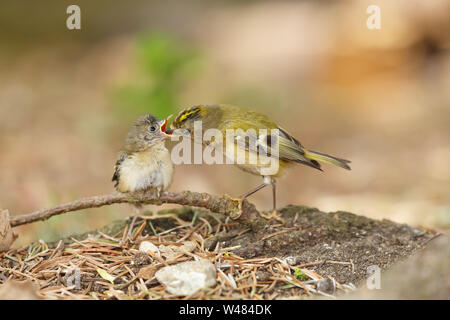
(273,216)
(156,194)
(163,194)
(152,192)
(235,214)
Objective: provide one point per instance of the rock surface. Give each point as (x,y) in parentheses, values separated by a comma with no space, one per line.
(426,275)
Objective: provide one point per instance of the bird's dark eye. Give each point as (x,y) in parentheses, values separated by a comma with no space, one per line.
(152,128)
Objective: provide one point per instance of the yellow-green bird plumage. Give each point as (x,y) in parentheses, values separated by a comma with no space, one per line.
(224,117)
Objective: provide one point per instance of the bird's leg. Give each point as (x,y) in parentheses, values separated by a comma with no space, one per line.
(245,195)
(274,194)
(274,214)
(158,192)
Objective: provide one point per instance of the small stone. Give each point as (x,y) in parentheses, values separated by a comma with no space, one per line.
(291,260)
(168,252)
(172,251)
(187,277)
(326,285)
(148,247)
(188,246)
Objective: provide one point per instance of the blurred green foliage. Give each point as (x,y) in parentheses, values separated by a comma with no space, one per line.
(164,66)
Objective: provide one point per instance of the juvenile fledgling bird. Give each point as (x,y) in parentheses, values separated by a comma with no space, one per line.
(144,163)
(226,117)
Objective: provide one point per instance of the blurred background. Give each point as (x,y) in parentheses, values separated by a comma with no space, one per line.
(380,98)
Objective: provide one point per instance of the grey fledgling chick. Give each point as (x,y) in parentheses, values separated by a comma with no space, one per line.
(144,163)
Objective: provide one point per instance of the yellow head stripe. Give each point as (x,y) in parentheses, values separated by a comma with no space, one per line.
(189,112)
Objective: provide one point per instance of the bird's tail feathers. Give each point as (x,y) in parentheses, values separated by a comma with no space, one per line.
(321,157)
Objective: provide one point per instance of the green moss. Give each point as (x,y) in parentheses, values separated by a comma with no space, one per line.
(298,273)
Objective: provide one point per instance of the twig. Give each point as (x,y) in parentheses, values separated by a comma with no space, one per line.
(243,212)
(276,233)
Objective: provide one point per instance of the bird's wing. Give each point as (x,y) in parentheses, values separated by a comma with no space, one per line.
(273,143)
(292,150)
(116,175)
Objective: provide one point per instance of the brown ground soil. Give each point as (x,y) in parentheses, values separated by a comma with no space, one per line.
(336,245)
(310,236)
(336,236)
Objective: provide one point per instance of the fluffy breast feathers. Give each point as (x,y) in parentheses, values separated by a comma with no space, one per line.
(144,170)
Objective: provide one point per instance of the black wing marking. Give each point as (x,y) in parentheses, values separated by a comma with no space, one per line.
(116,175)
(286,135)
(289,148)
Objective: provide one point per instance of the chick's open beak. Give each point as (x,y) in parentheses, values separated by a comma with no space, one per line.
(163,127)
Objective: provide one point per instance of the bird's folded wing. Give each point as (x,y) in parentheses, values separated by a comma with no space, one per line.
(116,175)
(273,143)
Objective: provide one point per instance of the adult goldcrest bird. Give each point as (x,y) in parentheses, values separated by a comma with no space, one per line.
(252,133)
(144,163)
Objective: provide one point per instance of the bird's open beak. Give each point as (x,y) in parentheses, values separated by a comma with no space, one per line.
(175,132)
(163,127)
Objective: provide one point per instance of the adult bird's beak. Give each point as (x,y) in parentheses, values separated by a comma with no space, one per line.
(172,131)
(163,127)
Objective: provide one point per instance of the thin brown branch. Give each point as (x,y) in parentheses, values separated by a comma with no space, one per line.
(243,212)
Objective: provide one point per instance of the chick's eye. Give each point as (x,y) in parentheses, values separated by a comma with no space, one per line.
(152,128)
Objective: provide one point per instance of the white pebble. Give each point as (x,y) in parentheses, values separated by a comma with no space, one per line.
(147,246)
(187,277)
